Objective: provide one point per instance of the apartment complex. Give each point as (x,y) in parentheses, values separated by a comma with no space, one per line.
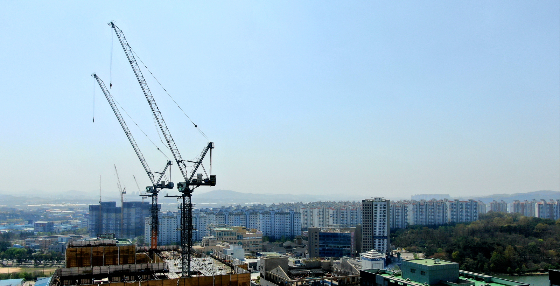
(462,211)
(375,224)
(272,223)
(526,208)
(537,208)
(331,214)
(433,212)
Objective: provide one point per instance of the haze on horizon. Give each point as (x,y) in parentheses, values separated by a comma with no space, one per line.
(350,98)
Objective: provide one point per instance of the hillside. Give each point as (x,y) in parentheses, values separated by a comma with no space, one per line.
(508,198)
(497,243)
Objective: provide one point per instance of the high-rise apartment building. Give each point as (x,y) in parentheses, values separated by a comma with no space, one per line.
(347,216)
(106,218)
(526,208)
(375,224)
(168,231)
(499,207)
(432,212)
(481,207)
(278,224)
(133,218)
(330,214)
(462,211)
(398,215)
(547,209)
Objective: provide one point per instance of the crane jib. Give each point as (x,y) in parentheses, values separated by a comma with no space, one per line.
(190,183)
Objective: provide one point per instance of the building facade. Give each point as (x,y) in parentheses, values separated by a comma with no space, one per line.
(500,206)
(525,208)
(375,225)
(399,215)
(462,211)
(547,209)
(106,217)
(333,242)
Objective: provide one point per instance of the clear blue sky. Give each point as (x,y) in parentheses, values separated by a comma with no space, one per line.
(318,97)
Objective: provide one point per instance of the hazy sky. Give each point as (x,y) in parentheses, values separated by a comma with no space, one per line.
(317,97)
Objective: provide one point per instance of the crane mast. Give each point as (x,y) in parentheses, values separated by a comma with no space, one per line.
(152,190)
(186,188)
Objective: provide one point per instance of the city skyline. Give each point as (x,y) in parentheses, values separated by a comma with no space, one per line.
(361,99)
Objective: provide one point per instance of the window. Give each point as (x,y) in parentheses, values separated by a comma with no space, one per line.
(422,273)
(412,270)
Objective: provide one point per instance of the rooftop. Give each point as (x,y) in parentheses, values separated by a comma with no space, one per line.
(430,262)
(465,278)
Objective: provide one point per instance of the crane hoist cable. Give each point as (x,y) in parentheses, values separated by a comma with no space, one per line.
(187,187)
(93,112)
(122,108)
(158,131)
(111,64)
(195,125)
(157,184)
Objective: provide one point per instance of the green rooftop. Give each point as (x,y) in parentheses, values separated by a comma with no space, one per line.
(480,283)
(430,262)
(465,279)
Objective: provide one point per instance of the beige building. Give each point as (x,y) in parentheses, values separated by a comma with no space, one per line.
(249,239)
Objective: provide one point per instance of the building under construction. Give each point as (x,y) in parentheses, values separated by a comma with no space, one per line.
(119,262)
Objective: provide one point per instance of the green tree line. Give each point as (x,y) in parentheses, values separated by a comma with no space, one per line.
(496,243)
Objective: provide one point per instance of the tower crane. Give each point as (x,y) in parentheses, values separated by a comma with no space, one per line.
(187,187)
(153,190)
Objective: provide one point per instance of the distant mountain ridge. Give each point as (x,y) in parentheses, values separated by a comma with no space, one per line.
(228,197)
(508,198)
(233,197)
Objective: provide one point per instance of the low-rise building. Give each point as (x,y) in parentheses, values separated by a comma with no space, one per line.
(275,270)
(420,272)
(43,226)
(235,251)
(333,242)
(372,260)
(249,239)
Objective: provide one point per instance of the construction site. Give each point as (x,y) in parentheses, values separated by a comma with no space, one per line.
(119,262)
(113,261)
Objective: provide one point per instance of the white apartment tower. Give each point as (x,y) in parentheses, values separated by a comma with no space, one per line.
(375,225)
(398,216)
(168,228)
